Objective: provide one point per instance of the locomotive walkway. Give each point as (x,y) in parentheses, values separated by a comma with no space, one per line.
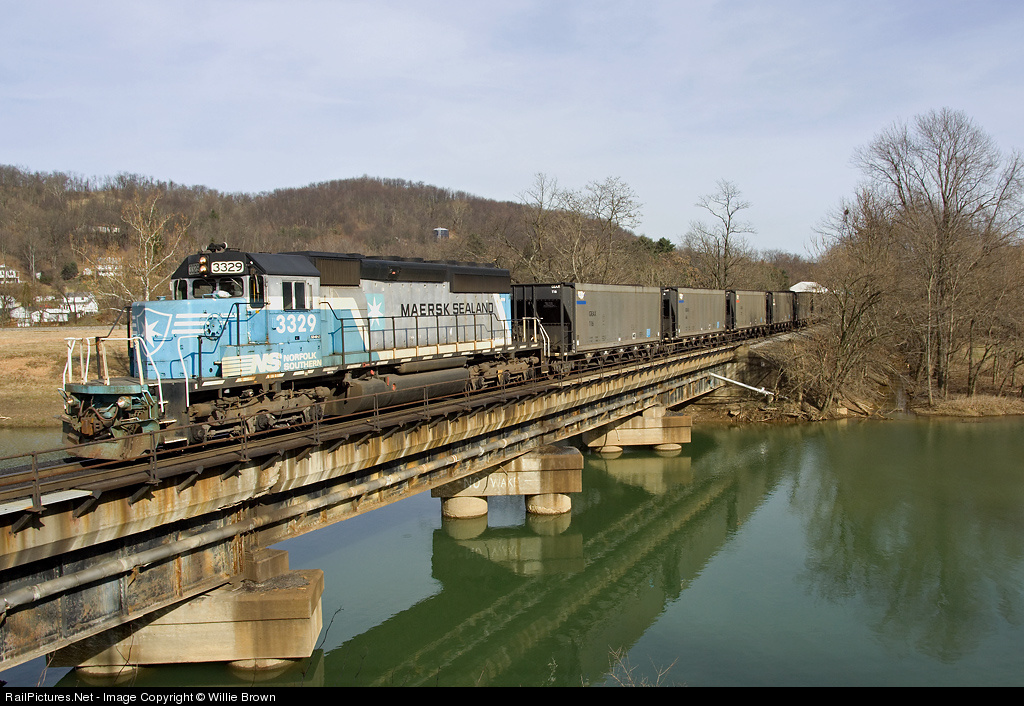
(85,549)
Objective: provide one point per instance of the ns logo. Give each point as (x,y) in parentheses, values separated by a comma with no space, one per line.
(266,362)
(235,366)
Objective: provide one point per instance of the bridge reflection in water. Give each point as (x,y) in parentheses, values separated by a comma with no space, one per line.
(518,600)
(514,599)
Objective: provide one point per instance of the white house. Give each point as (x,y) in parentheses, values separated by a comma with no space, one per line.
(9,275)
(56,311)
(80,303)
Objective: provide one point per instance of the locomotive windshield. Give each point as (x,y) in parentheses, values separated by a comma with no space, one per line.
(203,287)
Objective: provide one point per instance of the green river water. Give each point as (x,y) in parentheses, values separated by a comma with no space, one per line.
(858,553)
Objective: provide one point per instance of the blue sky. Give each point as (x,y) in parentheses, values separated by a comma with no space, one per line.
(669,96)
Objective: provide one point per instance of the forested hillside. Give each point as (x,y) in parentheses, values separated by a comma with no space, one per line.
(70,229)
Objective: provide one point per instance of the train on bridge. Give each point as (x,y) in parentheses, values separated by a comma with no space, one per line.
(248,342)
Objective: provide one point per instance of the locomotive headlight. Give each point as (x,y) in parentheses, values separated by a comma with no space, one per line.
(124,402)
(203,269)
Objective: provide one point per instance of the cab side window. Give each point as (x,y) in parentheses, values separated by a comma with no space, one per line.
(294,295)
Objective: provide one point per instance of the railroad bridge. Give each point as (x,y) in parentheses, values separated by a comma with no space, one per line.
(94,557)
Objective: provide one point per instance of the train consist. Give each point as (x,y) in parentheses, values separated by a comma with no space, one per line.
(252,341)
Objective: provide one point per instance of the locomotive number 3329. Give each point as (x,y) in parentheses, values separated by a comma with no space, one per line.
(295,323)
(227,267)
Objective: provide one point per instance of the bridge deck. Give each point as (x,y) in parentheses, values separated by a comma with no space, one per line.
(161,530)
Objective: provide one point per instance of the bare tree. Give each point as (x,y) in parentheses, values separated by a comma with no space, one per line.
(575,236)
(848,352)
(142,261)
(592,229)
(718,246)
(995,327)
(957,206)
(535,253)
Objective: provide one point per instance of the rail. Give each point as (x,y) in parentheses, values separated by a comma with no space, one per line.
(48,476)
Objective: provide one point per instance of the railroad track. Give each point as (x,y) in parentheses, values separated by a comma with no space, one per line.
(30,482)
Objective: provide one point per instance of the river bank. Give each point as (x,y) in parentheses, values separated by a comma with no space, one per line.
(754,411)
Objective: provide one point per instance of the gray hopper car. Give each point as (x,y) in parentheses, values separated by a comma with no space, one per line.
(747,309)
(782,308)
(693,312)
(591,318)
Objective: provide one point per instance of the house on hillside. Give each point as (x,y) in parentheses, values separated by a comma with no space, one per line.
(79,304)
(56,311)
(9,275)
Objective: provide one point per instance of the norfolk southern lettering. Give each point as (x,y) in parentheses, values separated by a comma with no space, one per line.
(447,309)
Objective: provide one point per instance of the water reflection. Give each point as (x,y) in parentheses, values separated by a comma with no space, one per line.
(517,607)
(923,522)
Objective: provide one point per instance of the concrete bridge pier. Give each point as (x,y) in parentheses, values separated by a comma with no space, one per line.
(268,618)
(545,476)
(656,427)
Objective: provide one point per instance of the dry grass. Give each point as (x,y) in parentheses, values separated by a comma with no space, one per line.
(977,406)
(31,365)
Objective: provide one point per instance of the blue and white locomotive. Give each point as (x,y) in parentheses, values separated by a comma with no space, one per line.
(265,340)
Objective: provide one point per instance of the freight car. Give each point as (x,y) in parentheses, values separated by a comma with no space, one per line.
(747,310)
(781,309)
(605,321)
(253,341)
(694,314)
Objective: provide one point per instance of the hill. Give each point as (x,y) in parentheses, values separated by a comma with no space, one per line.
(63,227)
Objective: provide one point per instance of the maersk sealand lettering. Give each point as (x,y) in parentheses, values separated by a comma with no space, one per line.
(447,309)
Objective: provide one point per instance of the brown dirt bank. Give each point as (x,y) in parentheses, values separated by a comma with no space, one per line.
(31,366)
(977,406)
(753,411)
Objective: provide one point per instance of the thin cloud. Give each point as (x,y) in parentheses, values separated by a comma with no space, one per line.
(669,96)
